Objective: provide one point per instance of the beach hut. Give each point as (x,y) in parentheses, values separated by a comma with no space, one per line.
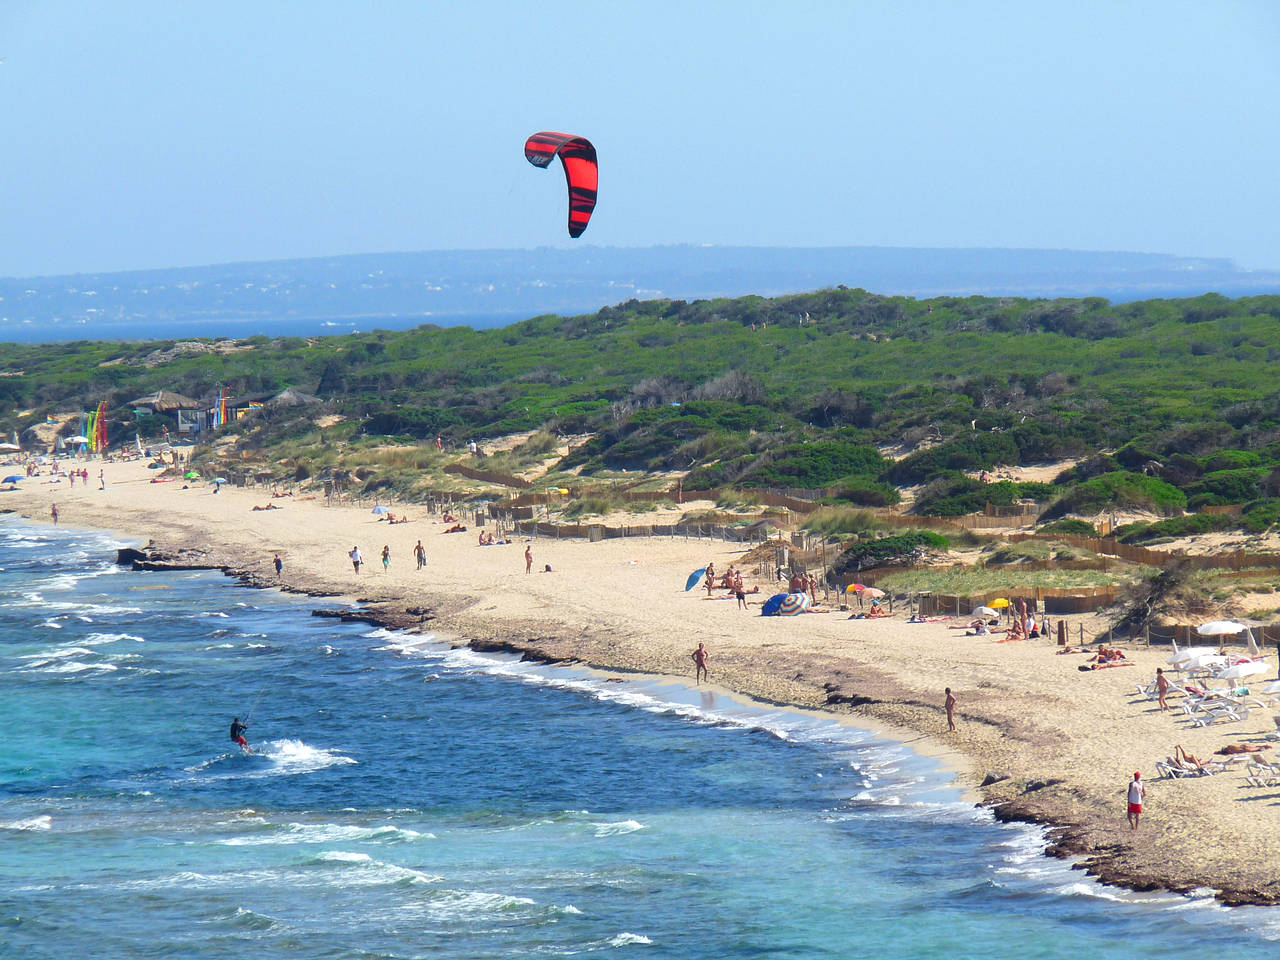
(163,401)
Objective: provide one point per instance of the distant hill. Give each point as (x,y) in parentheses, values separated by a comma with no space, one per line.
(488,288)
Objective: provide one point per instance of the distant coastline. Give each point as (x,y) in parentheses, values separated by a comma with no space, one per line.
(487,288)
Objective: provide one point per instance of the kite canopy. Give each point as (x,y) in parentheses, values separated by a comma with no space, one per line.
(578,157)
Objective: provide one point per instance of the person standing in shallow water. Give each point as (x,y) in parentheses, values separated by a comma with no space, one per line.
(699,657)
(53,512)
(950,704)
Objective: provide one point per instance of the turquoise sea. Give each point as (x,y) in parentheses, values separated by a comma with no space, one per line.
(409,800)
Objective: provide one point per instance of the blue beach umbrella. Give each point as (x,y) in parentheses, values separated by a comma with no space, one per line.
(380,510)
(694,579)
(773,605)
(12,479)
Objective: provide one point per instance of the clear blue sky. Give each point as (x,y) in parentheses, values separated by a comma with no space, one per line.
(149,134)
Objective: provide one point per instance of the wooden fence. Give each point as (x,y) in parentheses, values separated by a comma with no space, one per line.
(488,476)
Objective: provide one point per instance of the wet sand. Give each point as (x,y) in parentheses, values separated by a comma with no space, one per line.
(1037,739)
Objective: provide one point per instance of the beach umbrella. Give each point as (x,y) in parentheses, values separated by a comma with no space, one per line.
(875,593)
(1211,660)
(192,475)
(854,588)
(9,447)
(694,579)
(792,604)
(75,439)
(1273,687)
(1247,668)
(218,480)
(984,612)
(1219,628)
(999,603)
(1182,656)
(12,479)
(770,606)
(380,510)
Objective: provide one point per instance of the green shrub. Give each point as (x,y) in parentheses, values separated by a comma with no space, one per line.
(1260,515)
(1070,525)
(1175,527)
(1227,486)
(904,548)
(1122,489)
(972,451)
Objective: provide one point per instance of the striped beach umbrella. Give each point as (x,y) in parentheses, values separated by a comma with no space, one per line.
(792,604)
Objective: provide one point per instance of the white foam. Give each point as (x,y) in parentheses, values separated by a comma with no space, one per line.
(296,833)
(623,939)
(295,757)
(31,823)
(363,870)
(97,639)
(618,829)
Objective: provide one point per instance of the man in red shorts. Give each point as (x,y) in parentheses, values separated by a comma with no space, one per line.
(1136,795)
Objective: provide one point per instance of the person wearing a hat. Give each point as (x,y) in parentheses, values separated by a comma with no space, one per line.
(1136,794)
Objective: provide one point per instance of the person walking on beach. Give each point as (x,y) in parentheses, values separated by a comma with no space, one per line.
(950,704)
(386,558)
(279,564)
(1135,796)
(238,731)
(420,554)
(102,480)
(700,664)
(528,559)
(356,559)
(53,512)
(1162,687)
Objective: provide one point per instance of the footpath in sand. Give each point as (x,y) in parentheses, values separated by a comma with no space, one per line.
(1040,740)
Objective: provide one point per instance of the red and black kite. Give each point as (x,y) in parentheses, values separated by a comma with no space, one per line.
(579,159)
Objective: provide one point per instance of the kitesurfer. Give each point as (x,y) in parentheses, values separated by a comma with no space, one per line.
(238,731)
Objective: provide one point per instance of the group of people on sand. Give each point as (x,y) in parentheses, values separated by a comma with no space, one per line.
(730,580)
(488,540)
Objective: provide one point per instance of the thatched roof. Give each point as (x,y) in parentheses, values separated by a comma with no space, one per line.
(165,400)
(293,398)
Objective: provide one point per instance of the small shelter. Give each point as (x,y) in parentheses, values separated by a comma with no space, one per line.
(164,401)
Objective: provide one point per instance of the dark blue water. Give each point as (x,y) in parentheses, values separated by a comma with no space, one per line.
(408,800)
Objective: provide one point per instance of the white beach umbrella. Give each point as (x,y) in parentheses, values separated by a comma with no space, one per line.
(1182,656)
(1248,668)
(75,439)
(1273,687)
(984,612)
(1219,628)
(1212,660)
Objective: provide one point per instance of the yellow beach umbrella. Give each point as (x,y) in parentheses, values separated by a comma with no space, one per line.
(998,604)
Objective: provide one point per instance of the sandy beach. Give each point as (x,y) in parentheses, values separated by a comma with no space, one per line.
(1037,739)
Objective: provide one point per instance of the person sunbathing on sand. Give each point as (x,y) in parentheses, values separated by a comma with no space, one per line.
(1186,759)
(1233,748)
(456,528)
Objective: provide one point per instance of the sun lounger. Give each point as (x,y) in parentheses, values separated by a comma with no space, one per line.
(1220,714)
(1258,774)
